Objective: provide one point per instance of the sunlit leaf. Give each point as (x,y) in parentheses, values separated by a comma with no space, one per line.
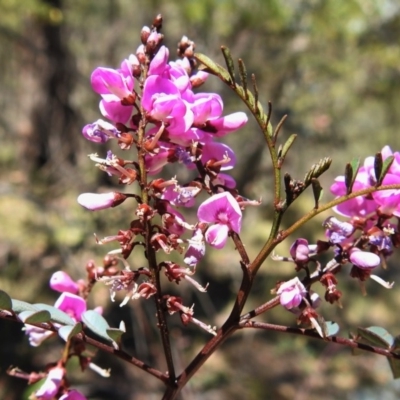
(229,62)
(213,68)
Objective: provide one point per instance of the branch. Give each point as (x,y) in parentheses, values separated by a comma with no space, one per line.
(311,333)
(101,346)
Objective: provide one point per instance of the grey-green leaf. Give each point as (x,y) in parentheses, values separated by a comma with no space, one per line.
(34,317)
(98,325)
(213,68)
(18,306)
(5,301)
(331,328)
(376,336)
(115,333)
(56,315)
(67,332)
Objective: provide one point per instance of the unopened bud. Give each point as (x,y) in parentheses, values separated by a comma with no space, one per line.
(95,201)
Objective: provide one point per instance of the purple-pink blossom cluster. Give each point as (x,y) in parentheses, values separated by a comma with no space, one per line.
(365,240)
(385,202)
(151,102)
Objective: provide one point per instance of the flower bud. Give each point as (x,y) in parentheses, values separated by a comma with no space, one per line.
(363,259)
(95,201)
(62,282)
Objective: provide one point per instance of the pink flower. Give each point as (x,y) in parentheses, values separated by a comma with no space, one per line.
(291,293)
(229,123)
(62,282)
(224,212)
(364,259)
(51,385)
(116,89)
(300,251)
(100,131)
(100,201)
(72,305)
(162,101)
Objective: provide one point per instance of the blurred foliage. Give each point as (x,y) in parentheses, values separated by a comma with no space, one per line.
(333,67)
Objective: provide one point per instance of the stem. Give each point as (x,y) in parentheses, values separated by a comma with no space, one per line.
(310,333)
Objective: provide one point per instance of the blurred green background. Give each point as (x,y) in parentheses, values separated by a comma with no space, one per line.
(332,66)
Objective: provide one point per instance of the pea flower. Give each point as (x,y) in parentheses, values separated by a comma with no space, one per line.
(291,293)
(364,259)
(62,282)
(224,212)
(101,201)
(51,385)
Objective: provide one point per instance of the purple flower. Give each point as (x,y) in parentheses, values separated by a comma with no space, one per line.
(206,107)
(62,282)
(36,335)
(196,249)
(337,231)
(100,201)
(363,259)
(51,385)
(116,89)
(100,131)
(162,102)
(300,251)
(291,293)
(229,123)
(224,212)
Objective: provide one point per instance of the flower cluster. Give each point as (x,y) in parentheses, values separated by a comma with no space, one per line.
(364,241)
(152,107)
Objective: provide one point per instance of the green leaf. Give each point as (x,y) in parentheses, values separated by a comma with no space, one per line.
(98,325)
(385,168)
(317,191)
(243,77)
(331,328)
(56,315)
(214,68)
(34,317)
(378,165)
(67,332)
(18,306)
(5,301)
(395,367)
(115,333)
(376,336)
(350,174)
(229,62)
(288,144)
